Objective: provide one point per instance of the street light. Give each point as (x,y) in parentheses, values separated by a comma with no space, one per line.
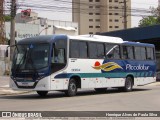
(42,30)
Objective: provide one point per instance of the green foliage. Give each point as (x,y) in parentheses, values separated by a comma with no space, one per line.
(151,20)
(7,18)
(147,21)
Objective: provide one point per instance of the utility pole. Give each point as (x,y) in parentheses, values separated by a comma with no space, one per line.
(12,29)
(125,13)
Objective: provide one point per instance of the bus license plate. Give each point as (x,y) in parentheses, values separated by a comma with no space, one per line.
(25,83)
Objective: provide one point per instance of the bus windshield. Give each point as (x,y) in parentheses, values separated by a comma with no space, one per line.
(31,57)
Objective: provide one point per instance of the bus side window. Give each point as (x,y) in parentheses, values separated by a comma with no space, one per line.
(150,53)
(83,50)
(137,51)
(74,49)
(61,56)
(112,51)
(125,52)
(100,50)
(143,53)
(117,52)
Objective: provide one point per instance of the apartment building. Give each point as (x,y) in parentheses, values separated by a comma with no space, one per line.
(95,16)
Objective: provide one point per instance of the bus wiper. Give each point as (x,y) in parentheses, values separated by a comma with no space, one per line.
(29,60)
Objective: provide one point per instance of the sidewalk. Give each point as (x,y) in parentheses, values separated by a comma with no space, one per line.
(4,87)
(5,90)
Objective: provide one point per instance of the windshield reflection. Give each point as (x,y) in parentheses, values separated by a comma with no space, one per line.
(31,57)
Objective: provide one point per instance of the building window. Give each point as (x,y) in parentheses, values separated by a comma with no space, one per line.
(97,20)
(91,20)
(90,0)
(110,26)
(115,0)
(90,6)
(115,7)
(98,26)
(97,13)
(90,13)
(97,0)
(110,0)
(110,13)
(90,32)
(110,7)
(116,26)
(116,13)
(98,6)
(90,26)
(116,20)
(110,20)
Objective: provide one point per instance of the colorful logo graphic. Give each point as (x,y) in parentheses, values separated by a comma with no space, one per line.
(109,66)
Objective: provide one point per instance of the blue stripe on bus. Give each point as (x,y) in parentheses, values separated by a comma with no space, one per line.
(106,75)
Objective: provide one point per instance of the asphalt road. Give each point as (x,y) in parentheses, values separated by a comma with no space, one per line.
(144,98)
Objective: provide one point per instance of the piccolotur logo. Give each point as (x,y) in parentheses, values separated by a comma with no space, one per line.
(109,66)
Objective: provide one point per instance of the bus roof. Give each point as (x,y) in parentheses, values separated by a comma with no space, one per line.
(97,38)
(137,44)
(94,38)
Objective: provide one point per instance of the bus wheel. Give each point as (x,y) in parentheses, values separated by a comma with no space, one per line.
(42,93)
(128,84)
(101,90)
(72,88)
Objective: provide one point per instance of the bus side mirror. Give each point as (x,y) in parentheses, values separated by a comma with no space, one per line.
(6,53)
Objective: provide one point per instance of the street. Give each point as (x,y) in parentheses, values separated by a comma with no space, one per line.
(143,98)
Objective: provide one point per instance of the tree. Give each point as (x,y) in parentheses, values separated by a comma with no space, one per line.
(7,18)
(151,20)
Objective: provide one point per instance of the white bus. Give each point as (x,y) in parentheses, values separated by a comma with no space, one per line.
(67,63)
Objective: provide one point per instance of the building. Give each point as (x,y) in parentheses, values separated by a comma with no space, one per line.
(46,26)
(22,30)
(49,27)
(96,16)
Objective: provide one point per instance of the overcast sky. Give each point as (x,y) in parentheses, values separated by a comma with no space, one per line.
(67,16)
(142,4)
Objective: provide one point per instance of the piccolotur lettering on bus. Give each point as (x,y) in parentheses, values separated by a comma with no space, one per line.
(138,67)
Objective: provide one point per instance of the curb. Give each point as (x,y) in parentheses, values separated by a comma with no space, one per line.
(154,84)
(5,90)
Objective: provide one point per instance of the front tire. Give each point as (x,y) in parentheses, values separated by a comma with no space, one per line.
(72,88)
(42,93)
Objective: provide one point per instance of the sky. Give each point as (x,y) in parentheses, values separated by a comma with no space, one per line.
(67,16)
(142,4)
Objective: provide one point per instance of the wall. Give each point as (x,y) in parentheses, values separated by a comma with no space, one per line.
(23,30)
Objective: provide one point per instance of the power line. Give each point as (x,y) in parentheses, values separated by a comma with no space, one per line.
(41,7)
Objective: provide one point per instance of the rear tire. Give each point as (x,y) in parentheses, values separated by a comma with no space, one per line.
(128,84)
(42,93)
(100,90)
(72,88)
